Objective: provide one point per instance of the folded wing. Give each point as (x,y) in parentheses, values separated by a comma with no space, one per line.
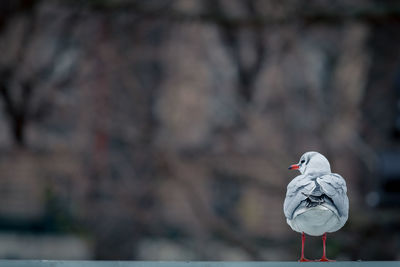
(297,191)
(334,186)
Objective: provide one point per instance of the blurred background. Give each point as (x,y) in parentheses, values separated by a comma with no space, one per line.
(163,129)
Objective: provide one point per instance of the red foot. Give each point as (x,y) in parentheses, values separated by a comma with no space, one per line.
(304,260)
(325,259)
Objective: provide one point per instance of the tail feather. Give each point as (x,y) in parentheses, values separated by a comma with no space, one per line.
(312,200)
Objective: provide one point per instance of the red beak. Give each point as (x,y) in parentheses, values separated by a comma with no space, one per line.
(294,167)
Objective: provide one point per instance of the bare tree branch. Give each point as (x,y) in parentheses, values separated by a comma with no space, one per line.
(373,13)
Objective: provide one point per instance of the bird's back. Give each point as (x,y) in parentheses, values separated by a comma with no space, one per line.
(316,203)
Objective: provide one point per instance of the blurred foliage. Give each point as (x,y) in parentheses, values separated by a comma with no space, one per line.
(163,129)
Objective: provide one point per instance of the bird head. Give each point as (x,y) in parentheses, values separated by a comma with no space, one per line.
(311,162)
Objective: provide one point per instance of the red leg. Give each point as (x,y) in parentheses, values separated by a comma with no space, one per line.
(303,238)
(324,258)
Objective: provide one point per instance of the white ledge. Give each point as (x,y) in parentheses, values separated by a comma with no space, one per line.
(55,263)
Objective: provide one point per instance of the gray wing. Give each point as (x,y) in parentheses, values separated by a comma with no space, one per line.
(297,190)
(334,186)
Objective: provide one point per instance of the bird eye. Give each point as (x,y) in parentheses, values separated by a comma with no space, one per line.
(302,161)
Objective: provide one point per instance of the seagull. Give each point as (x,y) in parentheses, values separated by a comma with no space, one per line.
(316,201)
